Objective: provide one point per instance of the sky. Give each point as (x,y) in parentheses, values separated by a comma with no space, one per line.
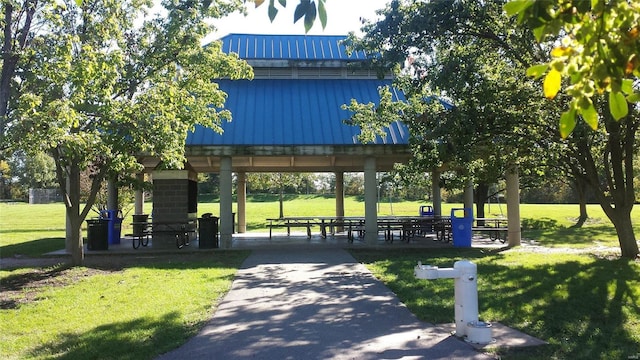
(343,16)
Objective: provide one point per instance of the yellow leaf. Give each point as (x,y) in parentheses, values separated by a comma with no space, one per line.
(258,2)
(560,51)
(552,83)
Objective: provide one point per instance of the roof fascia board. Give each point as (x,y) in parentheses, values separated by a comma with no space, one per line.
(318,150)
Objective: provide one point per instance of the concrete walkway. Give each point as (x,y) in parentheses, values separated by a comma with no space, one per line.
(316,304)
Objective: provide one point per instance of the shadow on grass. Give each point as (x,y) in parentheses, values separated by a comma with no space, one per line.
(33,248)
(568,236)
(539,224)
(142,338)
(585,309)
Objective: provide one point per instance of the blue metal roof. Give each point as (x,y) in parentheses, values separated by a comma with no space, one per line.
(295,112)
(289,47)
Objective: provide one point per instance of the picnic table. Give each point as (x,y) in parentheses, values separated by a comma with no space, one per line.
(406,226)
(496,227)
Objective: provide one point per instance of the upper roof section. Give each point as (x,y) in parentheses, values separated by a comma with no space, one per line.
(290,47)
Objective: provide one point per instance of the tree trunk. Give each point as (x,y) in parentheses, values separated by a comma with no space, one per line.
(281,202)
(581,189)
(481,193)
(626,237)
(73,213)
(616,193)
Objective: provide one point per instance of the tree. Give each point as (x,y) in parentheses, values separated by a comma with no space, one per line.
(600,57)
(497,98)
(35,171)
(94,91)
(276,182)
(458,51)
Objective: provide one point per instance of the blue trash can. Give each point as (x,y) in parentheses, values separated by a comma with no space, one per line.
(426,210)
(461,223)
(114,225)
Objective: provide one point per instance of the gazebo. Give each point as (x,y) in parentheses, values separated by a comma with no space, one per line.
(288,119)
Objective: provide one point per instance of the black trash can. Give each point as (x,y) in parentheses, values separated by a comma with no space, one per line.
(208,232)
(98,234)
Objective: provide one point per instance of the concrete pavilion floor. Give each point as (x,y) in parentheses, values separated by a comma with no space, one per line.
(297,239)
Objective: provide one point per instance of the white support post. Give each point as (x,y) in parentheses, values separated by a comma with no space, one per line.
(226,203)
(370,201)
(242,202)
(339,198)
(139,197)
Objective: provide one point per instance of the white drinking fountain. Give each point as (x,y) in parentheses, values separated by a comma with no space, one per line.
(465,275)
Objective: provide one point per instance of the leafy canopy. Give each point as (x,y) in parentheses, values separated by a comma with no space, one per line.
(598,53)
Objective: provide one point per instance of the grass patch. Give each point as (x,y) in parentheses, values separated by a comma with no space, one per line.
(585,307)
(135,310)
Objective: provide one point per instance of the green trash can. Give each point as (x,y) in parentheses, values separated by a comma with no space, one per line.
(98,234)
(208,232)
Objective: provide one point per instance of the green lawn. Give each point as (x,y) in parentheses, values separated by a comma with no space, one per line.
(135,311)
(135,308)
(585,307)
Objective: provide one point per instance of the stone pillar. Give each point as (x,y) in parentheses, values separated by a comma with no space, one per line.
(139,196)
(435,190)
(339,198)
(242,202)
(370,201)
(173,207)
(514,235)
(226,203)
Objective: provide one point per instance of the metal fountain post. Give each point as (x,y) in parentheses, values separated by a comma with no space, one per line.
(465,275)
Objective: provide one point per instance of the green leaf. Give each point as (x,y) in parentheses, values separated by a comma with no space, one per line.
(283,3)
(272,10)
(536,71)
(618,105)
(301,10)
(552,83)
(567,122)
(627,86)
(322,12)
(633,98)
(310,18)
(517,6)
(540,32)
(79,3)
(589,114)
